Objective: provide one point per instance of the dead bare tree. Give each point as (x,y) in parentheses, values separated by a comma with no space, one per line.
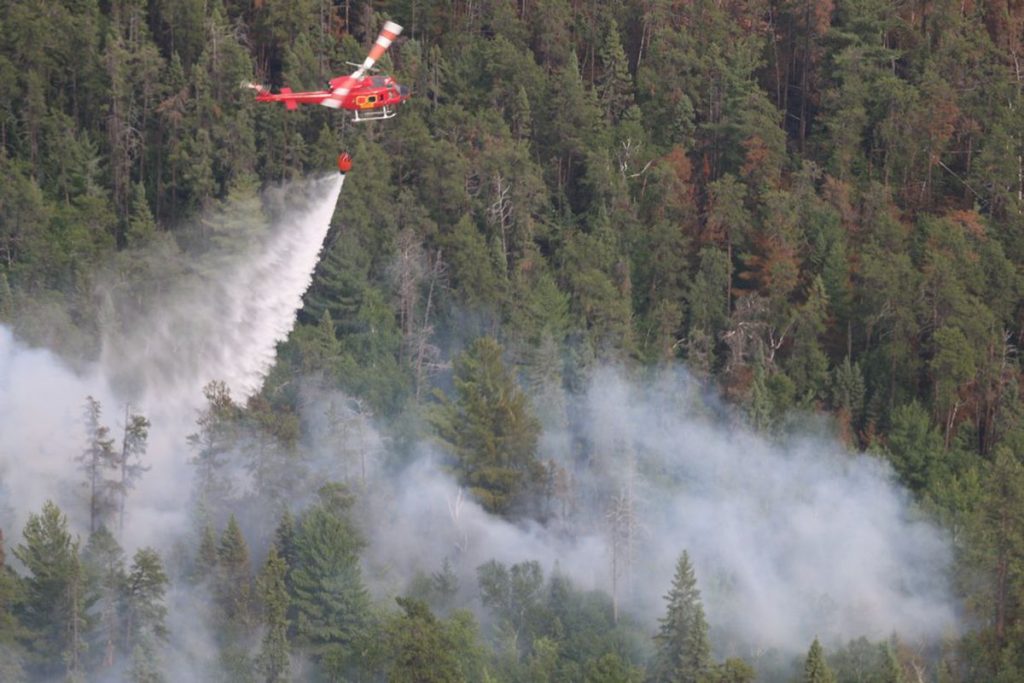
(500,213)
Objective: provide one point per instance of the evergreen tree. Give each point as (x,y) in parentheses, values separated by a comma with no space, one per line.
(683,651)
(847,392)
(103,563)
(331,602)
(615,87)
(490,430)
(133,447)
(218,433)
(206,557)
(420,648)
(55,602)
(733,671)
(233,586)
(6,299)
(915,447)
(816,669)
(273,589)
(145,614)
(513,595)
(11,629)
(98,457)
(284,542)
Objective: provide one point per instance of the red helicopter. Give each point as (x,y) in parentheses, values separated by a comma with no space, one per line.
(370,98)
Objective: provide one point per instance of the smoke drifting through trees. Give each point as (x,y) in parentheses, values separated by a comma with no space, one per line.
(787,540)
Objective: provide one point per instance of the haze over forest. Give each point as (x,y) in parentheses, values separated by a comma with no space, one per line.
(650,341)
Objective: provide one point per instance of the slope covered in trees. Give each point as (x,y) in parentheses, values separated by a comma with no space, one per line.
(816,206)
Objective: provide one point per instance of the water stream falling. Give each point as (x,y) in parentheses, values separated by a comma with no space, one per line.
(225,322)
(222,322)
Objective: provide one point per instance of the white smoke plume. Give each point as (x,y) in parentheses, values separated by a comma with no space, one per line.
(789,540)
(222,322)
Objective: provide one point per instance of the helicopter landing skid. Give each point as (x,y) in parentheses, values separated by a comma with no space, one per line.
(373,114)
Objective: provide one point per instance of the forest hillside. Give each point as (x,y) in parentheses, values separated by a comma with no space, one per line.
(652,340)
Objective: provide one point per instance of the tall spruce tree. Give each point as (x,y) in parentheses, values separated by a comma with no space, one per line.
(234,579)
(490,430)
(683,651)
(615,85)
(816,669)
(331,601)
(133,447)
(103,563)
(145,615)
(218,433)
(273,658)
(54,605)
(99,455)
(206,557)
(11,630)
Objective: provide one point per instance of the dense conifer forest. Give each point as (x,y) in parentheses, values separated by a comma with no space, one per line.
(810,212)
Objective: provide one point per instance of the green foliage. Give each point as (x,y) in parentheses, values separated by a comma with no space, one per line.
(683,650)
(915,447)
(218,433)
(145,613)
(99,455)
(332,606)
(233,584)
(103,564)
(862,660)
(512,594)
(273,659)
(54,599)
(816,669)
(491,431)
(11,630)
(415,645)
(817,205)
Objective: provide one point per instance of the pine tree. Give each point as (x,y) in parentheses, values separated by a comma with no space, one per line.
(915,447)
(206,558)
(512,594)
(683,651)
(103,563)
(234,578)
(806,364)
(284,539)
(444,586)
(11,629)
(815,667)
(490,430)
(141,225)
(331,602)
(133,447)
(419,648)
(98,457)
(615,86)
(218,432)
(6,299)
(273,589)
(847,390)
(145,614)
(54,606)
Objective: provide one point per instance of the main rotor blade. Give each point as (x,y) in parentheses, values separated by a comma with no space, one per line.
(343,86)
(386,36)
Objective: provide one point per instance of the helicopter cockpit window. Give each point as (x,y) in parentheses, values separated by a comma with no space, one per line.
(378,81)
